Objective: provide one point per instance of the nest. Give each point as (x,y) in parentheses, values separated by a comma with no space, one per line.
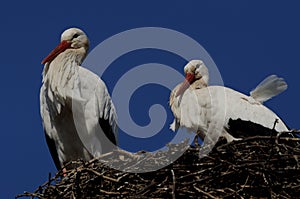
(260,166)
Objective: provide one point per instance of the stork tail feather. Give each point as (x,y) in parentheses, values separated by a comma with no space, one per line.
(268,88)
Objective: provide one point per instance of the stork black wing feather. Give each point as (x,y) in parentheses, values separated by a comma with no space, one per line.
(241,128)
(108,130)
(53,151)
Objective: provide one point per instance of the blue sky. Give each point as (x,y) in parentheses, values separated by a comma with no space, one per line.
(248,40)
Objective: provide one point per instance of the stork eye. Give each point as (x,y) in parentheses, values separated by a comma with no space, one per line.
(75,36)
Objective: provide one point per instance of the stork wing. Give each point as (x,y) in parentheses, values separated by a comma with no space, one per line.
(50,131)
(100,112)
(268,88)
(242,107)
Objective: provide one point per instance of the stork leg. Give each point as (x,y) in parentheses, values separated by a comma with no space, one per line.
(64,170)
(200,135)
(196,141)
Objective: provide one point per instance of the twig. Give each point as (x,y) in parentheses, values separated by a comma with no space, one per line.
(275,122)
(203,192)
(141,192)
(103,176)
(112,193)
(40,196)
(174,183)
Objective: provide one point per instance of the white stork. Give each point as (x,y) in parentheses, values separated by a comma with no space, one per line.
(78,115)
(196,105)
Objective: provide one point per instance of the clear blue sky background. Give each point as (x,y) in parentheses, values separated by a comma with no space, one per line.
(248,40)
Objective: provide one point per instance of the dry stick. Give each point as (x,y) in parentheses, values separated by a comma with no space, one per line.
(164,181)
(276,140)
(145,189)
(101,175)
(243,186)
(203,192)
(262,138)
(198,172)
(112,193)
(31,195)
(101,156)
(173,187)
(49,179)
(208,178)
(73,195)
(77,183)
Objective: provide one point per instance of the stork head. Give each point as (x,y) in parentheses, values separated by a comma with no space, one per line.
(194,70)
(72,38)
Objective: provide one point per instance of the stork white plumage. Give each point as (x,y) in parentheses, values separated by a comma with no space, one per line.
(78,115)
(198,107)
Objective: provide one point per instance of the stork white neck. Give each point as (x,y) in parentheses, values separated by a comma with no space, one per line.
(69,57)
(62,71)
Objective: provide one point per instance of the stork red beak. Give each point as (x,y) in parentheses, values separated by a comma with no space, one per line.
(56,51)
(189,78)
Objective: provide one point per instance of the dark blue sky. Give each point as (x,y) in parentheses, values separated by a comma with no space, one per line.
(248,40)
